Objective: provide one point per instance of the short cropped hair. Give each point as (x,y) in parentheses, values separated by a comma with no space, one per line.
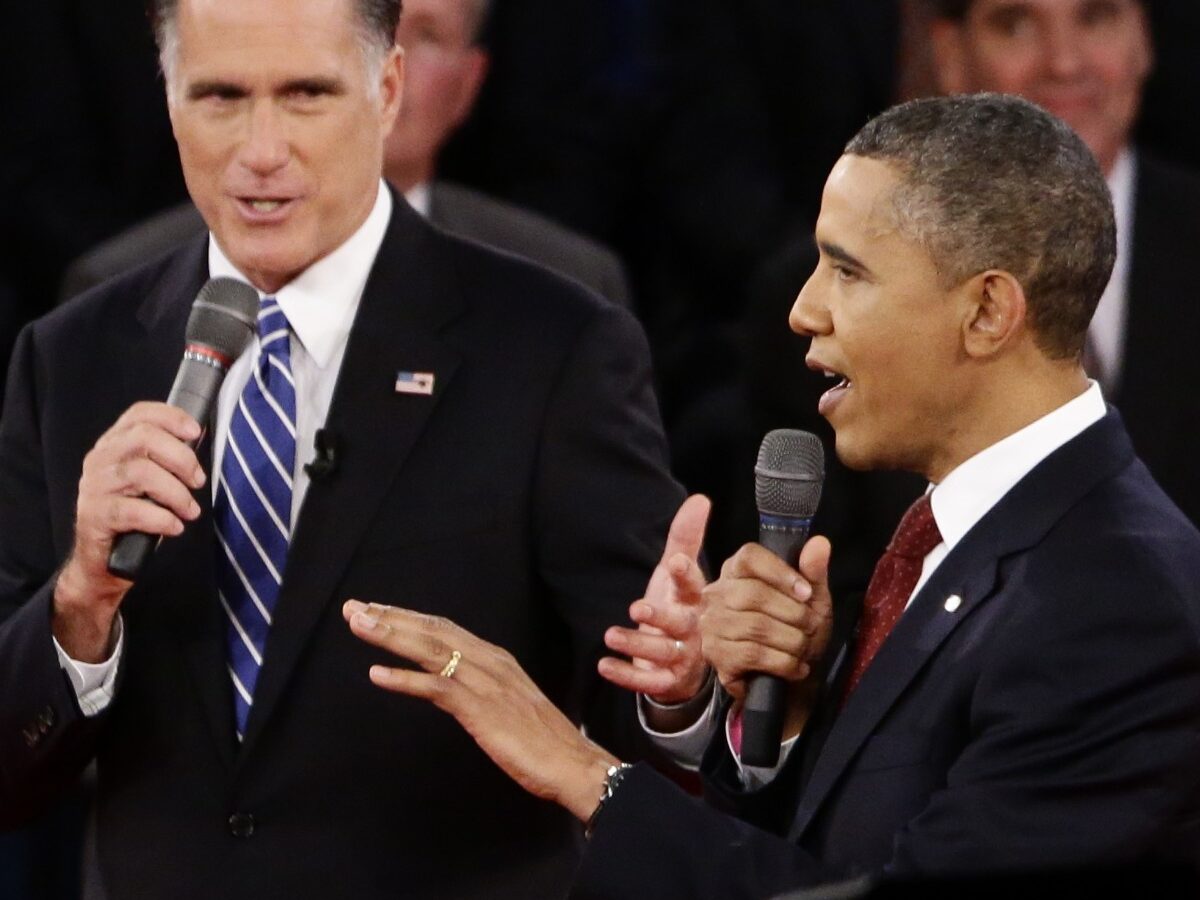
(376,19)
(989,181)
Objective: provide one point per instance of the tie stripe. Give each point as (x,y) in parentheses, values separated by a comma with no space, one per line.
(253,507)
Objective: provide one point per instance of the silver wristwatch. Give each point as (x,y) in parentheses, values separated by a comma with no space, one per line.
(612,780)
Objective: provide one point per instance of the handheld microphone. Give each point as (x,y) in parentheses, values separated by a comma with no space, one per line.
(325,463)
(787,487)
(223,321)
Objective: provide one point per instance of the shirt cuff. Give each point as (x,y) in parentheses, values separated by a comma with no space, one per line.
(684,748)
(755,777)
(94,683)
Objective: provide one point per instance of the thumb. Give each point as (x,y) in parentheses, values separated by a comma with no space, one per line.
(814,566)
(687,528)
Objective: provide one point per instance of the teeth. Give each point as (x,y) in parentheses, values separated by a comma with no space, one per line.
(266,205)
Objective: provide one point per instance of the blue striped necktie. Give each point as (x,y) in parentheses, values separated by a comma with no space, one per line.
(253,507)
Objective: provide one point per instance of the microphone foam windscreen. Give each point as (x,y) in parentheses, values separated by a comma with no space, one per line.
(789,473)
(224,316)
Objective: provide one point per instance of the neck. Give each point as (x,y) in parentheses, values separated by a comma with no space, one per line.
(404,177)
(1004,406)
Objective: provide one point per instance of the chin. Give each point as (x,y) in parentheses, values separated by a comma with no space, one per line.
(866,454)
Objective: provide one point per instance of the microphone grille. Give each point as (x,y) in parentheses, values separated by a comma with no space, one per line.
(789,473)
(224,316)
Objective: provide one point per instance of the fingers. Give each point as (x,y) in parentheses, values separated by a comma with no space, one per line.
(686,578)
(764,616)
(653,682)
(428,641)
(674,621)
(406,681)
(660,649)
(155,432)
(756,562)
(686,534)
(814,563)
(735,659)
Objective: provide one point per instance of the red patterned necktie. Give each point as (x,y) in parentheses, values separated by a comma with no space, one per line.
(892,583)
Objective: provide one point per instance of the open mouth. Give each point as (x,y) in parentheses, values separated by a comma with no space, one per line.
(264,207)
(833,396)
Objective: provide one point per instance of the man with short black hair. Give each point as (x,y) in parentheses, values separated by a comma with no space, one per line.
(1023,690)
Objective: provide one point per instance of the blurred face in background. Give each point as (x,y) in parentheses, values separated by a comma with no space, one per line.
(444,69)
(280,113)
(1083,60)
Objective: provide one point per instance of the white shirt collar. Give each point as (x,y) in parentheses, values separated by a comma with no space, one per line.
(321,301)
(967,494)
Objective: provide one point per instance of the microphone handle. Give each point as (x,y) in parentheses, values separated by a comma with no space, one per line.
(196,386)
(766,696)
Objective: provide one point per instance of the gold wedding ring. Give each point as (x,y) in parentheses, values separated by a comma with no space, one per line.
(451,667)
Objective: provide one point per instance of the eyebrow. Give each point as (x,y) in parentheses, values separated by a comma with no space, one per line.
(842,255)
(316,84)
(312,85)
(206,88)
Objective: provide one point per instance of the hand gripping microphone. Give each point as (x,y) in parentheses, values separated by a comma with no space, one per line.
(223,321)
(787,488)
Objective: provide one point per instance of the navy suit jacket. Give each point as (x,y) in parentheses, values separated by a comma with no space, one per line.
(526,499)
(1048,718)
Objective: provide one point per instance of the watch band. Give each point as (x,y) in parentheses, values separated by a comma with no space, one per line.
(612,781)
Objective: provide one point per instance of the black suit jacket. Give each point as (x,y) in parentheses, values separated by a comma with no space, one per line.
(1160,363)
(526,499)
(1050,717)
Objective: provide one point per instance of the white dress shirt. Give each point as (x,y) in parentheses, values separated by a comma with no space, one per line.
(320,305)
(962,499)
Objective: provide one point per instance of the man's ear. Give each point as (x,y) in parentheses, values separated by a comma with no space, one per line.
(996,313)
(947,41)
(391,88)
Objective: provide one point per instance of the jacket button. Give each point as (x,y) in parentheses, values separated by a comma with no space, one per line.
(241,825)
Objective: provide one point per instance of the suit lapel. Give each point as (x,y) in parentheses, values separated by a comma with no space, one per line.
(408,299)
(1018,521)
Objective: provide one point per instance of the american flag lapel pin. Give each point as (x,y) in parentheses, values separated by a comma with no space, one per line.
(420,383)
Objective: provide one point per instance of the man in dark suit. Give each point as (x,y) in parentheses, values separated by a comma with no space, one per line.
(514,478)
(1023,690)
(1088,64)
(444,69)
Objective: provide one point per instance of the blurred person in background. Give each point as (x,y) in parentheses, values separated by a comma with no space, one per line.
(1087,62)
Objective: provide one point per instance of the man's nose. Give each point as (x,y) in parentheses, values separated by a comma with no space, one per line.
(810,314)
(265,147)
(1064,49)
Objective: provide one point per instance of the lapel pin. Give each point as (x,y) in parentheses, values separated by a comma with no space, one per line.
(953,602)
(420,383)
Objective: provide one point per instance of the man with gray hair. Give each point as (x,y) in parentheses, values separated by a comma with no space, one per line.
(1022,693)
(407,424)
(445,67)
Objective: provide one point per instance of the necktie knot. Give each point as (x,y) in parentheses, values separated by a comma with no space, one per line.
(273,329)
(917,532)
